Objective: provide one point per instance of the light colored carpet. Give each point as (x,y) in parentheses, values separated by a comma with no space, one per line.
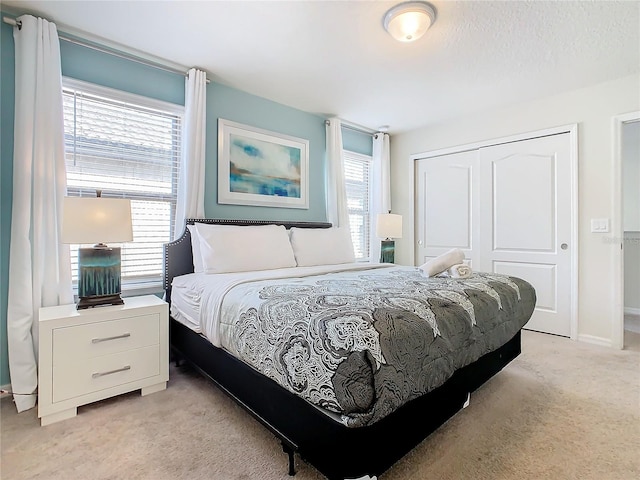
(562,410)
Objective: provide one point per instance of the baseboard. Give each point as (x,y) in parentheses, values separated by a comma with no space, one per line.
(631,322)
(592,339)
(631,328)
(631,311)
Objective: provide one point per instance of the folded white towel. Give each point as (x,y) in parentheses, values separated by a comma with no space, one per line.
(443,262)
(460,271)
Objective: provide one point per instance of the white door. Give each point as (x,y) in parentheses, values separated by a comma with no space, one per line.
(525,215)
(446,188)
(508,207)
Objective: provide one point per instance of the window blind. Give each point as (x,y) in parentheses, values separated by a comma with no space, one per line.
(126,147)
(357,174)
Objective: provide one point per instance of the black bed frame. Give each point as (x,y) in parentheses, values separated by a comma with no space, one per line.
(337,451)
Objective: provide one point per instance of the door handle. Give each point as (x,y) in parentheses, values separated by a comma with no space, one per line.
(564,246)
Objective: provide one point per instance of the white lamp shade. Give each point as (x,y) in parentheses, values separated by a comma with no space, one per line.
(96,220)
(389,225)
(409,21)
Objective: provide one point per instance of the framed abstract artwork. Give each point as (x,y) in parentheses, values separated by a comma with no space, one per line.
(261,168)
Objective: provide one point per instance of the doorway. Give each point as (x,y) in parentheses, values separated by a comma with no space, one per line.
(627,230)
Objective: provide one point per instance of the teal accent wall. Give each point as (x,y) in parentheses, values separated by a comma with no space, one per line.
(222,102)
(89,65)
(7,86)
(231,104)
(357,142)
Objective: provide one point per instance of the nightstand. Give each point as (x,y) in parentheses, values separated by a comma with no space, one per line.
(97,353)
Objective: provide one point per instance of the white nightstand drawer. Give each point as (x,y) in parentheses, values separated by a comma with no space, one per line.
(103,372)
(79,342)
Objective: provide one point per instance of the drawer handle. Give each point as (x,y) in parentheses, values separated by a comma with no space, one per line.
(106,339)
(102,374)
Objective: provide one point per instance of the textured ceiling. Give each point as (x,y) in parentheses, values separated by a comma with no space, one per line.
(332,57)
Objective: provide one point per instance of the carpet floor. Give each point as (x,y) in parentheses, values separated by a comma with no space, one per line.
(561,410)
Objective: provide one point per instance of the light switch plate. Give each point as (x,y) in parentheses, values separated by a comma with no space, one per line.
(600,225)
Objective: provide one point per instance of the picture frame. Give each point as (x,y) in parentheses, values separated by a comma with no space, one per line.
(261,168)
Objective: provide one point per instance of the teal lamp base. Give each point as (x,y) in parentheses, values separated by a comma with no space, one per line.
(387,251)
(98,277)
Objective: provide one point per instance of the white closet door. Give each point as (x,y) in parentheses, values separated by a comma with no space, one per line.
(526,222)
(508,207)
(447,209)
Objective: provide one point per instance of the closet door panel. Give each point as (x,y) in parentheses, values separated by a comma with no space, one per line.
(446,209)
(544,277)
(524,203)
(526,222)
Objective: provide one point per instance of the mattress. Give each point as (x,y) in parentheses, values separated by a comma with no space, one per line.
(185,307)
(354,340)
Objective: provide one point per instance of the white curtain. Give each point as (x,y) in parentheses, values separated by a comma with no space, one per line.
(39,265)
(380,189)
(337,212)
(190,202)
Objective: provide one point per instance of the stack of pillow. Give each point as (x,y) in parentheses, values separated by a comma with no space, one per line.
(231,248)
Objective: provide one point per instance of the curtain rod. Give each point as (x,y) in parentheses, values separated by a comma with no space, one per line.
(356,129)
(125,56)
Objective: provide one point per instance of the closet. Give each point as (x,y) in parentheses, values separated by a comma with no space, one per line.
(509,206)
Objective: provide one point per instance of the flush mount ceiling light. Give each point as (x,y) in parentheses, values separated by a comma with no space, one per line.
(409,21)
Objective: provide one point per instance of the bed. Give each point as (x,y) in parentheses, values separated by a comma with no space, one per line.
(345,395)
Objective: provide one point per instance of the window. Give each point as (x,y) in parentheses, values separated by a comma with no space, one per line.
(357,174)
(129,147)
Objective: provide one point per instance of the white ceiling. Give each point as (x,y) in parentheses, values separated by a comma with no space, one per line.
(334,57)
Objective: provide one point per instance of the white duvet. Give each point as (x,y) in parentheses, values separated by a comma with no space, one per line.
(209,290)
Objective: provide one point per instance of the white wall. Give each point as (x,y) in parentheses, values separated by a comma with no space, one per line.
(592,108)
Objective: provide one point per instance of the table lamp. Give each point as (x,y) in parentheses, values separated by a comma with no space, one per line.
(97,220)
(388,226)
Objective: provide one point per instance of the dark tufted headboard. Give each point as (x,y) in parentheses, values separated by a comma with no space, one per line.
(178,259)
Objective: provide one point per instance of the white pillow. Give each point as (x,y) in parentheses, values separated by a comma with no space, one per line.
(231,248)
(322,246)
(198,267)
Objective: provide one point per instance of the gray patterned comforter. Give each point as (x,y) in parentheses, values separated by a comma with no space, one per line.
(362,343)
